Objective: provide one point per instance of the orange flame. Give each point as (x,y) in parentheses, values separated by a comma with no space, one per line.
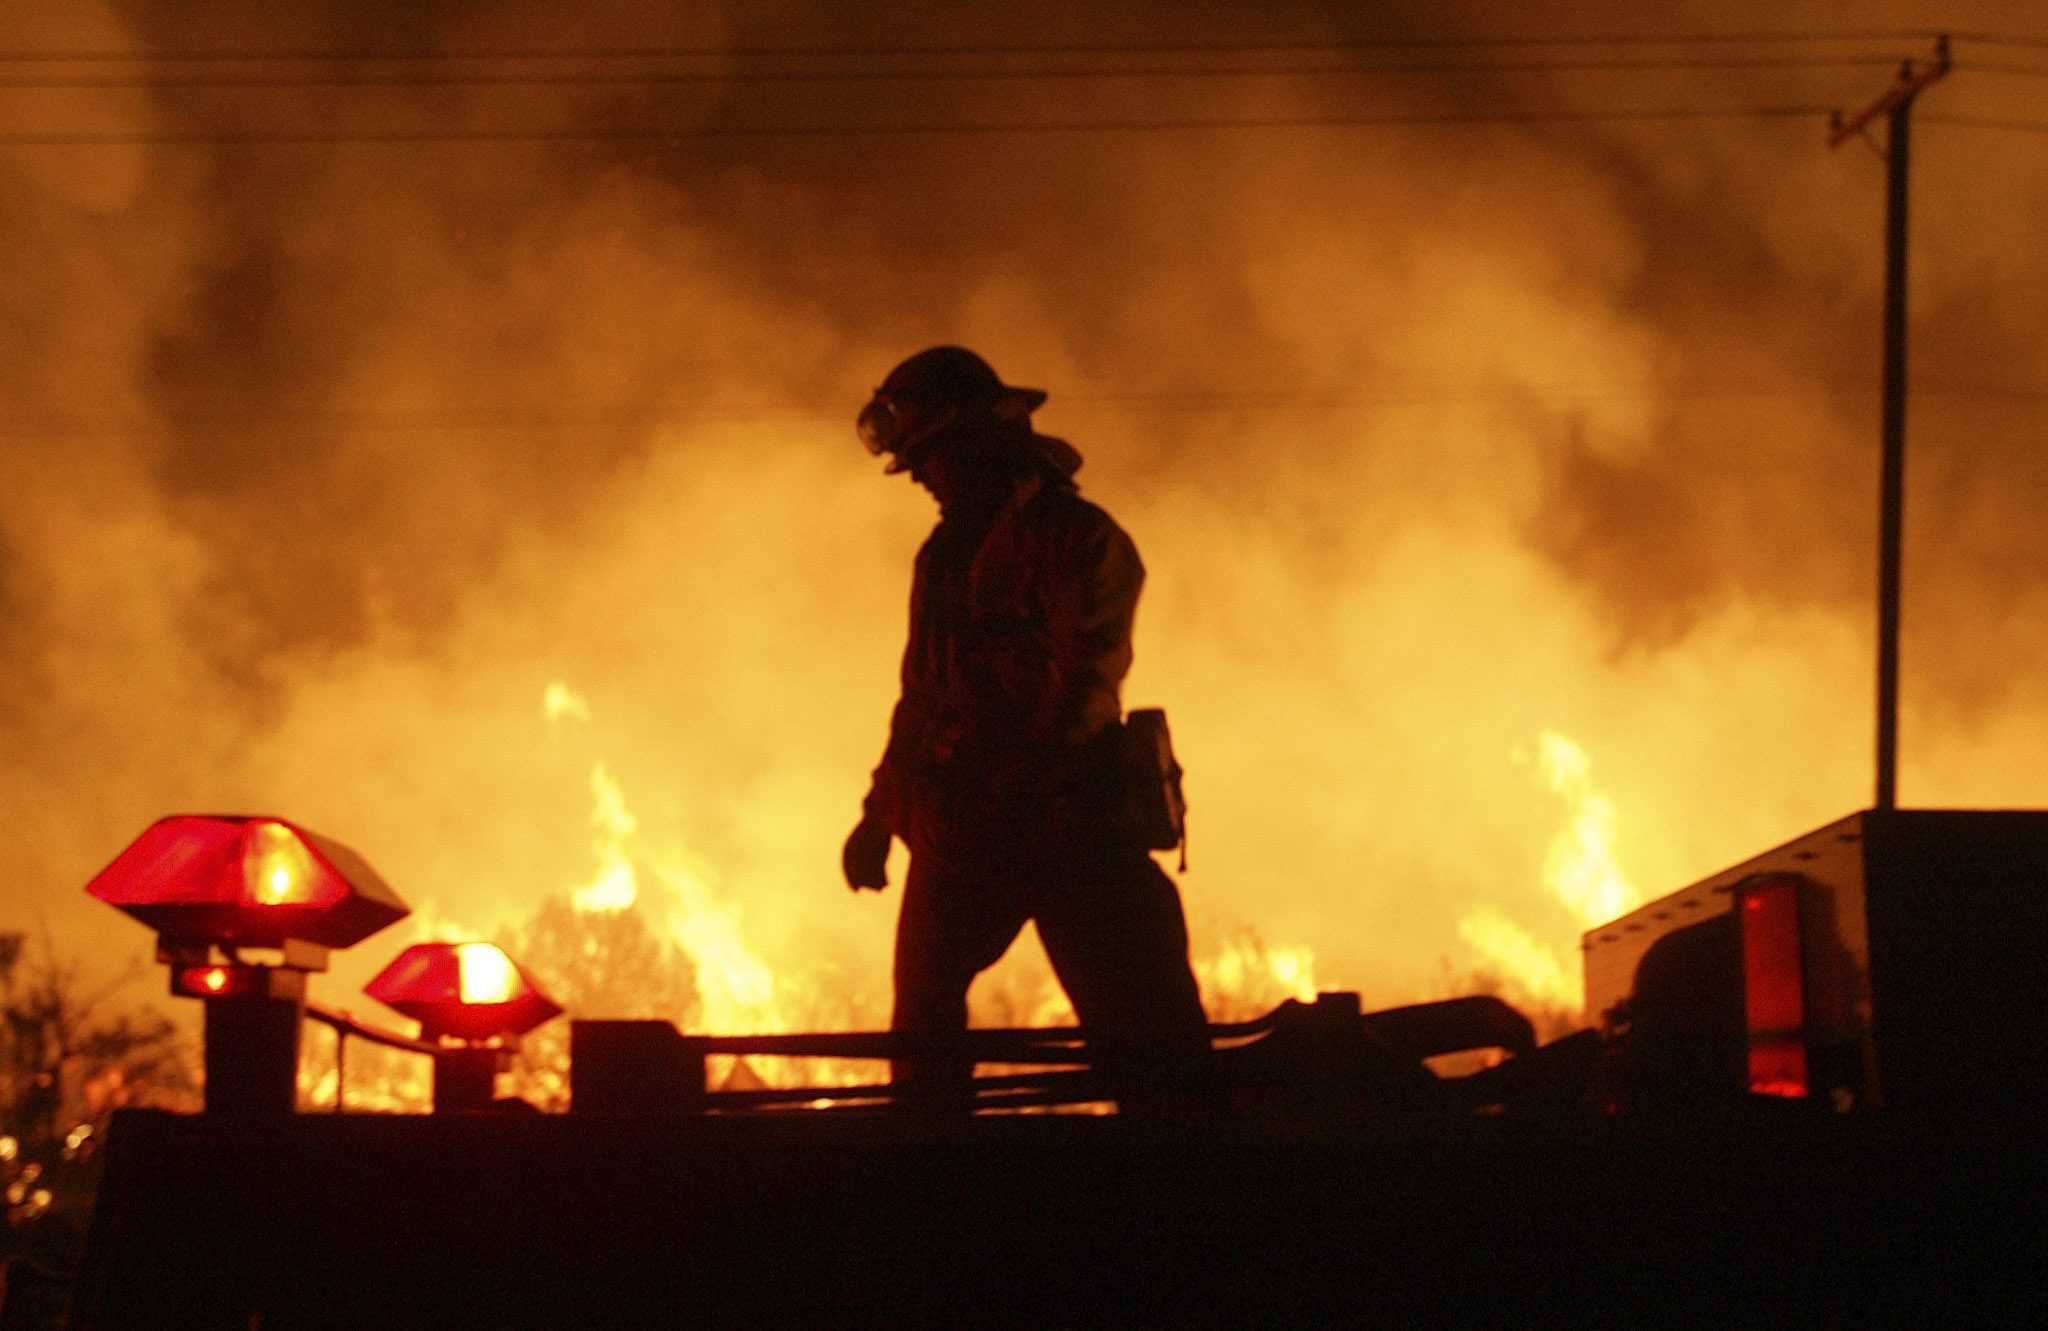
(650,934)
(1527,966)
(1244,977)
(740,992)
(1581,873)
(1580,868)
(616,886)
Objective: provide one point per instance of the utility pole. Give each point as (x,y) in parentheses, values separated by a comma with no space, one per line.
(1896,106)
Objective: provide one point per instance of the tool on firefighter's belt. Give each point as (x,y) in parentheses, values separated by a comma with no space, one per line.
(1154,807)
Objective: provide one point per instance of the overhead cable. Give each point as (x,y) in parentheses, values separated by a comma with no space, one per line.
(633,78)
(655,415)
(1987,122)
(625,134)
(1552,41)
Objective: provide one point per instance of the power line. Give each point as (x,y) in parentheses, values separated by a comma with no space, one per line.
(2023,71)
(928,51)
(1980,392)
(624,134)
(1454,394)
(1986,122)
(2001,39)
(1223,402)
(589,78)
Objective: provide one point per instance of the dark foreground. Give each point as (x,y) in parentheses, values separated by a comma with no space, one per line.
(1039,1221)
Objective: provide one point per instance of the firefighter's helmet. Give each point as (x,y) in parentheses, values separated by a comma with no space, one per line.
(932,391)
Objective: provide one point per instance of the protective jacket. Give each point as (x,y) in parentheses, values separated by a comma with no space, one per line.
(1020,638)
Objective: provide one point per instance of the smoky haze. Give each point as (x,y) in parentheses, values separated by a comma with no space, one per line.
(324,458)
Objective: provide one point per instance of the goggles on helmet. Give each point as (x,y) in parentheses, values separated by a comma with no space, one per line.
(880,426)
(926,395)
(900,431)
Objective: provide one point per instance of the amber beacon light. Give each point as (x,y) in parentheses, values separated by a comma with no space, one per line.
(219,888)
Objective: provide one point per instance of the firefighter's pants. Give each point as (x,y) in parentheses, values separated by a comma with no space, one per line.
(1113,929)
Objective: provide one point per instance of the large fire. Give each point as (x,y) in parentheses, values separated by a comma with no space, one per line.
(323,459)
(651,934)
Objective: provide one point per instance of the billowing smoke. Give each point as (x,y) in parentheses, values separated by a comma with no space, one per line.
(321,460)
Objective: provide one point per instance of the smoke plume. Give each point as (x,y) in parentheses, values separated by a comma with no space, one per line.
(322,459)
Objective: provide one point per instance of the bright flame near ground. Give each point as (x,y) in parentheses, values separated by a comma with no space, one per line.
(740,992)
(616,887)
(737,988)
(1245,977)
(1581,873)
(1528,966)
(651,935)
(486,973)
(1580,868)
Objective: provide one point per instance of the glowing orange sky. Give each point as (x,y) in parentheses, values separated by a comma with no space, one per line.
(321,462)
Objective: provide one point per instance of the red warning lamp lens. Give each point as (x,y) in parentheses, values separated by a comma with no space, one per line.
(471,991)
(217,981)
(1773,985)
(248,881)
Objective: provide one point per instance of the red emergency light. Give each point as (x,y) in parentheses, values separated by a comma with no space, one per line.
(214,885)
(463,991)
(241,881)
(1773,984)
(224,981)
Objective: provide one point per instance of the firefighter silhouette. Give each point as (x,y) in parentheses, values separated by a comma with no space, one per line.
(1001,771)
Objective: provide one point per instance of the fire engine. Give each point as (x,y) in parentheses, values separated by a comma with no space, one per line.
(1893,958)
(1815,1097)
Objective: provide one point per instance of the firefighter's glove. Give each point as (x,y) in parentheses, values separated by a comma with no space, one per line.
(866,857)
